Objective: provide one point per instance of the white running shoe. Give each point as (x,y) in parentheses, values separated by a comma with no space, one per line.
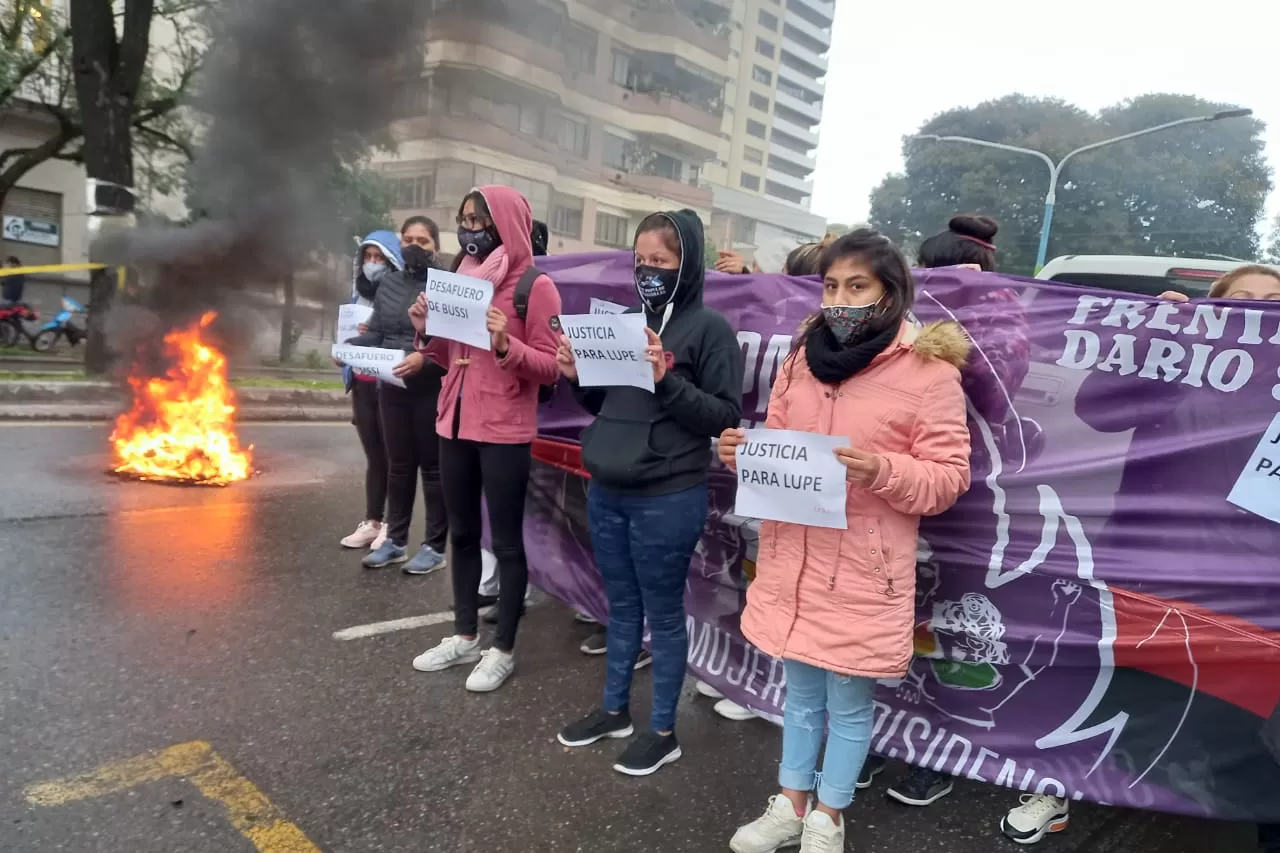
(822,834)
(707,690)
(731,710)
(381,538)
(779,827)
(492,672)
(452,651)
(365,534)
(1038,816)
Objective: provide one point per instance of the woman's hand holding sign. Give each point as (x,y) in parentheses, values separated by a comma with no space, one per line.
(727,448)
(655,355)
(497,322)
(861,468)
(565,359)
(412,363)
(418,314)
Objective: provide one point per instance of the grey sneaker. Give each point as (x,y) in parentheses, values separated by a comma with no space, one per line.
(426,561)
(384,556)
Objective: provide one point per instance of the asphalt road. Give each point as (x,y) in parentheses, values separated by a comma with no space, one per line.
(178,643)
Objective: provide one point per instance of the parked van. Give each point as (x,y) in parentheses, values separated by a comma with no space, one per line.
(1149,276)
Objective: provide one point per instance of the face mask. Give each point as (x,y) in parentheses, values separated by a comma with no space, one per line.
(656,286)
(373,271)
(477,244)
(849,323)
(416,258)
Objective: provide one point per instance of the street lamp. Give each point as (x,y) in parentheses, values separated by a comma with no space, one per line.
(1055,169)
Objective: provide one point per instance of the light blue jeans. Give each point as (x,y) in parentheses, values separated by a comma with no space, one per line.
(821,701)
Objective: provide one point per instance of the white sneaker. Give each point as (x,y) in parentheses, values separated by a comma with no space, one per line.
(381,538)
(821,834)
(366,533)
(707,690)
(731,710)
(452,651)
(492,672)
(777,828)
(1038,816)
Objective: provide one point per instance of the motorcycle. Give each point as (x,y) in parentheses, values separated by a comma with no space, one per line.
(13,316)
(62,325)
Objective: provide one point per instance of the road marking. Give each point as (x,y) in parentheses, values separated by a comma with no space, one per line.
(247,808)
(374,629)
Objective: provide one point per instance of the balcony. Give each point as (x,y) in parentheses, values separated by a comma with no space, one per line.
(681,20)
(656,185)
(822,35)
(808,82)
(820,13)
(801,185)
(795,158)
(800,132)
(805,53)
(812,110)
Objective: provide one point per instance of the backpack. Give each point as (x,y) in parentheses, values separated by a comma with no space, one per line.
(524,287)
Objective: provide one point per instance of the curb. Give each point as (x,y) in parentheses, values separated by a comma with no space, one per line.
(89,393)
(97,412)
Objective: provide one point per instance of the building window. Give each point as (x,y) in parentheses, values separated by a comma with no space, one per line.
(758,102)
(614,153)
(764,47)
(768,20)
(566,216)
(570,134)
(750,181)
(613,231)
(580,50)
(757,129)
(761,75)
(753,155)
(414,193)
(621,68)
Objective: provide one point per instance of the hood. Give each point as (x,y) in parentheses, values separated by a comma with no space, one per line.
(946,341)
(513,218)
(388,243)
(693,258)
(771,255)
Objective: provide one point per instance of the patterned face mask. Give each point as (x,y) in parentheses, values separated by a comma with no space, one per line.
(849,323)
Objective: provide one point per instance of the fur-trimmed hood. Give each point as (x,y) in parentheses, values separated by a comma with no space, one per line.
(945,340)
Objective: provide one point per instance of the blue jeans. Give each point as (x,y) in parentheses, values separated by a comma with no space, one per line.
(817,700)
(643,546)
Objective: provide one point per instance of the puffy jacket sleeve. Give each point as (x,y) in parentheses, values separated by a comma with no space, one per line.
(714,404)
(929,479)
(534,358)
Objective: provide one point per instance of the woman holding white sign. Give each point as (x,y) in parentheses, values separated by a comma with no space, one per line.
(649,454)
(487,420)
(838,606)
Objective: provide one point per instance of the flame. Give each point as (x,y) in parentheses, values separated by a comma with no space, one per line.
(181,427)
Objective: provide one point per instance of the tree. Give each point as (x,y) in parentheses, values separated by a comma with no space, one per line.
(1192,190)
(1271,249)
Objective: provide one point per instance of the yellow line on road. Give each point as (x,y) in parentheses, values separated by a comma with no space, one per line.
(248,809)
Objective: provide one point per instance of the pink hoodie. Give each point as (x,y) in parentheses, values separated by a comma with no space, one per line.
(500,398)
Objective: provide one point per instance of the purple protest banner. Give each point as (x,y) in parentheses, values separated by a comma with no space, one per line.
(1096,619)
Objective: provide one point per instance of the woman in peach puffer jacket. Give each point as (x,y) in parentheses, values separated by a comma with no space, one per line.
(838,606)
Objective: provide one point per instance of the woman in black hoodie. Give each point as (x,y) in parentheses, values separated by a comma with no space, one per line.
(649,456)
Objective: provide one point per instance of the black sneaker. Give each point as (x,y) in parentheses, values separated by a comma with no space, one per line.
(490,616)
(872,768)
(648,754)
(596,727)
(596,644)
(922,787)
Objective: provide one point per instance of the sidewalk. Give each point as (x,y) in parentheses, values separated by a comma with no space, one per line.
(99,401)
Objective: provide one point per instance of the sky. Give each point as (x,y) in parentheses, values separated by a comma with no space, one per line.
(895,65)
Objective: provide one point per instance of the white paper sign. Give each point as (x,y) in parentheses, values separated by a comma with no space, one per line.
(786,475)
(609,349)
(1258,489)
(456,307)
(350,317)
(604,306)
(373,362)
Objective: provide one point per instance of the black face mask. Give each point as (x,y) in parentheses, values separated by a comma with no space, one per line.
(417,260)
(656,286)
(477,244)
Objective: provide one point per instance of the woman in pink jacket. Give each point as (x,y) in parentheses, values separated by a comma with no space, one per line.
(838,606)
(487,418)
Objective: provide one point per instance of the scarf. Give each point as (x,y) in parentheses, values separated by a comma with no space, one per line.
(493,268)
(832,364)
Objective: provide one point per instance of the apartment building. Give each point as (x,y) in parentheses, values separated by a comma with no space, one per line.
(601,111)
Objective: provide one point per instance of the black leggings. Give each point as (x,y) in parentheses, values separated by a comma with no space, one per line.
(364,414)
(409,430)
(499,473)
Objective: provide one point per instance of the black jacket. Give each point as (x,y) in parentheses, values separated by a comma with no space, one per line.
(660,443)
(389,325)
